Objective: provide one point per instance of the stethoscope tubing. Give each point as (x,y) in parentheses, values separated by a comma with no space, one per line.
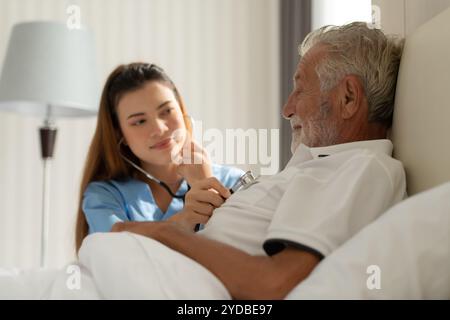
(149,176)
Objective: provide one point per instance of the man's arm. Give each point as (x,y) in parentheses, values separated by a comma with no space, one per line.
(245,276)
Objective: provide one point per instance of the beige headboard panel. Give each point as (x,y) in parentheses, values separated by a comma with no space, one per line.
(421,128)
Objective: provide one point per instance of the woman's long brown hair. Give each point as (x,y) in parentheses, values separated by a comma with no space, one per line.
(103,161)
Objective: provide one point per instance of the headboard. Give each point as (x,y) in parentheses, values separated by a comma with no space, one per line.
(421,127)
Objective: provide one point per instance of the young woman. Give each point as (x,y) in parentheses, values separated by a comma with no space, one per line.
(132,172)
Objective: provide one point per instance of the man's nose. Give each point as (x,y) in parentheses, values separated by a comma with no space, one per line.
(289,108)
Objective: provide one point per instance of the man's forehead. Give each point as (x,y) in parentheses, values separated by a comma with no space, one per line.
(310,58)
(300,71)
(317,51)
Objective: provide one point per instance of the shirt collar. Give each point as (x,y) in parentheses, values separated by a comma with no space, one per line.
(305,153)
(379,146)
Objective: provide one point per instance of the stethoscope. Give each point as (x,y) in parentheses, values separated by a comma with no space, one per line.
(244,182)
(150,177)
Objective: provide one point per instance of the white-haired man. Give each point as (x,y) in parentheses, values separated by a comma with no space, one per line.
(265,240)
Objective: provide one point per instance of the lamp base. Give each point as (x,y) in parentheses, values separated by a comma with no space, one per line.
(48,138)
(45,212)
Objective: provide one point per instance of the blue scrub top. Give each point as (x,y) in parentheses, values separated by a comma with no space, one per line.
(108,202)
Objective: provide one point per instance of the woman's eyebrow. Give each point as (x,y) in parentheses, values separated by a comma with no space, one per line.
(143,113)
(135,115)
(163,104)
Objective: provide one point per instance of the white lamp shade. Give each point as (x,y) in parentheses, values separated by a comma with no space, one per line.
(48,64)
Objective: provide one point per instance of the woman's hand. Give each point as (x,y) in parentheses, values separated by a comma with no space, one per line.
(205,196)
(195,163)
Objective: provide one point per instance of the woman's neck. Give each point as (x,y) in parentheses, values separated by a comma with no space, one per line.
(165,173)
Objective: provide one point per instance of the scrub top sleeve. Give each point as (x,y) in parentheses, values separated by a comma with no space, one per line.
(319,215)
(227,175)
(103,207)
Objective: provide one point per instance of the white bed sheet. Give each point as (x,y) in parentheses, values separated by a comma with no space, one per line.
(118,266)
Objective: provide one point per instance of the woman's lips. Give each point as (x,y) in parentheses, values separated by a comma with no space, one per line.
(162,144)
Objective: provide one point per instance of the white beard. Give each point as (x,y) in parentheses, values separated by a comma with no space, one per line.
(296,141)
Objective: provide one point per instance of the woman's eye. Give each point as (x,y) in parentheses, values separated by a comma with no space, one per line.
(138,122)
(167,111)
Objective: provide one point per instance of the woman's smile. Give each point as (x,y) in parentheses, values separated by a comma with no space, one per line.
(163,144)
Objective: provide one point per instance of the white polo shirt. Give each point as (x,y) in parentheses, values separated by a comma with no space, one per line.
(322,198)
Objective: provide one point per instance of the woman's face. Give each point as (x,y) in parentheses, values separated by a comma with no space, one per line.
(152,123)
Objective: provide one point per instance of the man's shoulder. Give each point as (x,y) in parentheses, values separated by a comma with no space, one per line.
(353,162)
(367,156)
(368,163)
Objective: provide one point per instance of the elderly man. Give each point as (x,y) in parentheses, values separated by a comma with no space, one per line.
(265,240)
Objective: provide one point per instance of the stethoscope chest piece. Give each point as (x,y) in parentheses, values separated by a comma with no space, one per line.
(245,181)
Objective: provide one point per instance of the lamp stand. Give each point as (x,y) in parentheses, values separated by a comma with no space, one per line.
(48,138)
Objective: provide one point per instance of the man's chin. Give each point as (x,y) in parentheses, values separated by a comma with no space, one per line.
(294,147)
(297,140)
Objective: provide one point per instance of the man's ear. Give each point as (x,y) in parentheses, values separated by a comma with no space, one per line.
(351,96)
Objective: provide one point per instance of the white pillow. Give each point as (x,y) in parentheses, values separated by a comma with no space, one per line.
(407,250)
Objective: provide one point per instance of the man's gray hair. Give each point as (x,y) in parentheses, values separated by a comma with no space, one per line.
(365,52)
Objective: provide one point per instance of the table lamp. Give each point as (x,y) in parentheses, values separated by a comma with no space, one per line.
(49,71)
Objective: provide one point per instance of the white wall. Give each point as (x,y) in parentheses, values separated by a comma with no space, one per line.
(404,16)
(338,12)
(397,16)
(223,56)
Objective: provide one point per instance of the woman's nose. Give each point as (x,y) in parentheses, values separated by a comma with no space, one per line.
(158,127)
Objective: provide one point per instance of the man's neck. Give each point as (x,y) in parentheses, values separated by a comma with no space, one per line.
(370,131)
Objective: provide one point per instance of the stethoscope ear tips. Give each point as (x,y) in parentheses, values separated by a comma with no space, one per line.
(121,142)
